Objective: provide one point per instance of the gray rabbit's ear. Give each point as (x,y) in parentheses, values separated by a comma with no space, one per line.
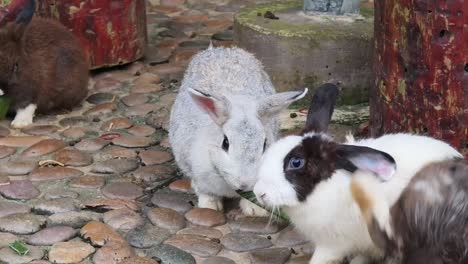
(321,108)
(274,104)
(217,107)
(26,15)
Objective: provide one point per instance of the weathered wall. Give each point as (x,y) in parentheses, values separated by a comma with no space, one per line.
(113,32)
(421,69)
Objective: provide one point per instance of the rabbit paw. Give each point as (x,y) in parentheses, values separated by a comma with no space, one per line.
(208,201)
(251,209)
(24,117)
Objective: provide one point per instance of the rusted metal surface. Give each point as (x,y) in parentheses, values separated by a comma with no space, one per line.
(9,12)
(113,32)
(421,69)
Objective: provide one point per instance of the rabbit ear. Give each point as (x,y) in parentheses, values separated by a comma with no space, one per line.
(26,15)
(217,107)
(351,157)
(321,108)
(274,104)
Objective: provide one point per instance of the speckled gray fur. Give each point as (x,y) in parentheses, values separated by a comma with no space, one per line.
(243,89)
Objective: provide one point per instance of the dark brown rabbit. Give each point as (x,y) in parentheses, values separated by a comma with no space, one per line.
(429,222)
(42,66)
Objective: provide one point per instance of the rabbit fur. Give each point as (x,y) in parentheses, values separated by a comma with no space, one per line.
(224,116)
(309,177)
(42,66)
(428,223)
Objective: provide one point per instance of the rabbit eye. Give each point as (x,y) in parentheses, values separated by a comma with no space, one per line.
(295,164)
(225,144)
(264,145)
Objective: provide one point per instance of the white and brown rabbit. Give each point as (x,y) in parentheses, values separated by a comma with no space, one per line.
(42,66)
(309,175)
(428,223)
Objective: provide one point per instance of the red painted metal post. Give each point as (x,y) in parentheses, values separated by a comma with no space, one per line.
(113,32)
(421,67)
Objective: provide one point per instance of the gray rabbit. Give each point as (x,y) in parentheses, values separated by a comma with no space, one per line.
(225,115)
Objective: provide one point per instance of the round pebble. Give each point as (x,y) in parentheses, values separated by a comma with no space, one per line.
(154,173)
(40,130)
(242,242)
(91,145)
(270,256)
(119,166)
(44,147)
(75,133)
(289,237)
(197,245)
(4,132)
(70,252)
(170,254)
(117,123)
(142,131)
(49,207)
(6,151)
(205,217)
(22,224)
(201,231)
(123,219)
(141,110)
(6,239)
(52,235)
(101,109)
(218,260)
(166,218)
(99,98)
(116,152)
(88,182)
(20,141)
(112,204)
(73,219)
(7,255)
(147,236)
(18,167)
(9,208)
(73,157)
(20,190)
(73,121)
(135,99)
(179,202)
(133,141)
(122,190)
(138,260)
(54,173)
(256,225)
(181,186)
(99,233)
(113,252)
(154,157)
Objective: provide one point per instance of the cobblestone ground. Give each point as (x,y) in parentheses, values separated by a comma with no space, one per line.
(99,184)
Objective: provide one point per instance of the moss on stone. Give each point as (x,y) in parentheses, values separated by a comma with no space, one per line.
(4,2)
(253,18)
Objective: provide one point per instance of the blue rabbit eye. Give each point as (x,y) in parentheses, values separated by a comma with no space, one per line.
(295,164)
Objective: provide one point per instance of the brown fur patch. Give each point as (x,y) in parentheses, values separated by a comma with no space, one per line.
(362,199)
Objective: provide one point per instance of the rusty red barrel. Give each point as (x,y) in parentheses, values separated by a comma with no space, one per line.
(113,32)
(421,67)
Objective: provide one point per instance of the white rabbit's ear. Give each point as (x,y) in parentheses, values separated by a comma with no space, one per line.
(350,157)
(217,107)
(275,103)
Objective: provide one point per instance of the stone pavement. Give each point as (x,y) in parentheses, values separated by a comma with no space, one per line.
(99,184)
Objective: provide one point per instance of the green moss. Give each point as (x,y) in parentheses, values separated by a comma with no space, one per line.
(367,12)
(4,2)
(249,17)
